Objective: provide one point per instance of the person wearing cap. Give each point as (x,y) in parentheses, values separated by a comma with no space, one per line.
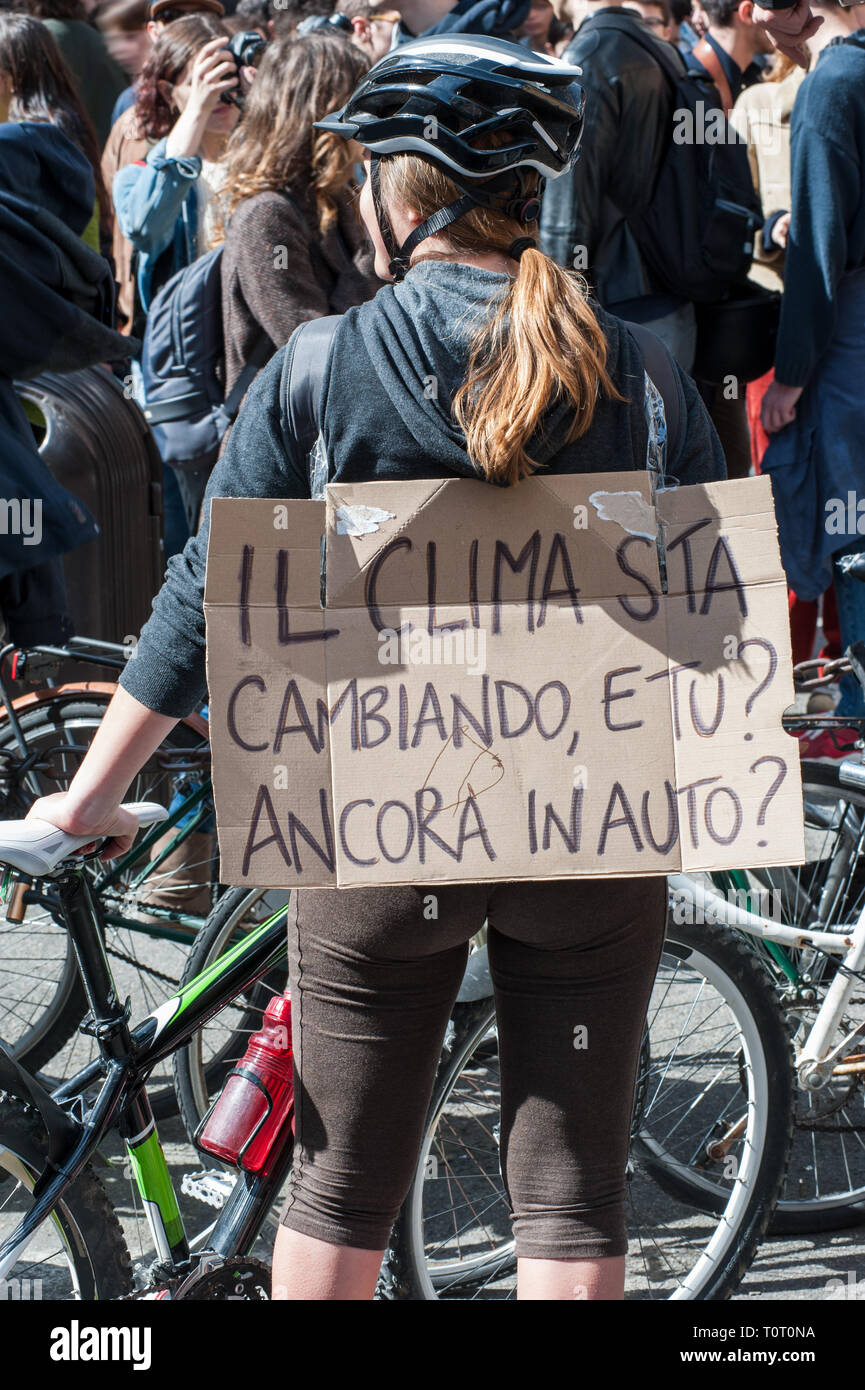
(164,12)
(530,376)
(166,201)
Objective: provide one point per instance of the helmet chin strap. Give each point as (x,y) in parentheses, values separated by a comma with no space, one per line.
(400,256)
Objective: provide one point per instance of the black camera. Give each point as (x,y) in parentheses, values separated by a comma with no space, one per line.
(246,48)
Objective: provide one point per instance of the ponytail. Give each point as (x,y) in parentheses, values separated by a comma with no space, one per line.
(544,345)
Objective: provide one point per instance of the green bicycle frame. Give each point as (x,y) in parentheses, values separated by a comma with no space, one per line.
(125,1065)
(737,880)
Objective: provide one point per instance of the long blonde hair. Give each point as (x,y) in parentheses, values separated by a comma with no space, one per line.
(542,346)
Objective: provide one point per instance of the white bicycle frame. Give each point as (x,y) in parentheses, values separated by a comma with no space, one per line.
(815,1060)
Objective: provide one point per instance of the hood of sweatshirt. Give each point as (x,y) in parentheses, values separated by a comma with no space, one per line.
(405,354)
(55,289)
(421,344)
(40,165)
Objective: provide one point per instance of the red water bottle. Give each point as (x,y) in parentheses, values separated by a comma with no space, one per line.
(257,1100)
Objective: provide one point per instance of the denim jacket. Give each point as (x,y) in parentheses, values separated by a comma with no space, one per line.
(157,210)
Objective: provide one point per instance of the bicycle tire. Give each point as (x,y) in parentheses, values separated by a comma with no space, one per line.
(58,723)
(831,1211)
(196,1082)
(819,1215)
(750,978)
(84,1221)
(407,1275)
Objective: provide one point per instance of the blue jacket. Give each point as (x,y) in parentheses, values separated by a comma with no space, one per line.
(157,211)
(827,224)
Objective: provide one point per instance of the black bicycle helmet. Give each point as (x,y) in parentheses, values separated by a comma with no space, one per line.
(441,98)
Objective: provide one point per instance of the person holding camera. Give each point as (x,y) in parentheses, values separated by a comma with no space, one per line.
(295,248)
(166,202)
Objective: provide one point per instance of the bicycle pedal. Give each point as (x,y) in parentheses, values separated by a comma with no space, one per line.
(212,1186)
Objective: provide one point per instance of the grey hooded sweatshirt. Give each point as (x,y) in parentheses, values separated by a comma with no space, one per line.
(394,366)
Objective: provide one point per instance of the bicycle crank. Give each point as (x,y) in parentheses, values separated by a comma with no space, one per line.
(215,1280)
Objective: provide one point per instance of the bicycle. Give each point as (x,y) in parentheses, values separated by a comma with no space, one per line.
(825,1186)
(156,897)
(714,1014)
(48,1141)
(804,924)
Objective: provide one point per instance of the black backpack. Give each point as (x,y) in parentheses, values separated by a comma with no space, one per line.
(181,366)
(697,233)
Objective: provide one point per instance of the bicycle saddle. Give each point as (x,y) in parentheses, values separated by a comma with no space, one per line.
(35,847)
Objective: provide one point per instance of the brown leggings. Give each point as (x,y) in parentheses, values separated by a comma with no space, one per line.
(373,984)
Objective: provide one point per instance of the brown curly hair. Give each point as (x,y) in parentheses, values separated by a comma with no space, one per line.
(300,80)
(176,45)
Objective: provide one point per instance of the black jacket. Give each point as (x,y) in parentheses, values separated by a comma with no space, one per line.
(55,294)
(628,124)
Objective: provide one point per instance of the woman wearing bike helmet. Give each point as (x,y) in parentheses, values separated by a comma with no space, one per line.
(459,133)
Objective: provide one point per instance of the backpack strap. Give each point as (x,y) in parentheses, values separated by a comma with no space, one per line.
(309,347)
(668,58)
(706,56)
(303,375)
(703,63)
(659,365)
(258,358)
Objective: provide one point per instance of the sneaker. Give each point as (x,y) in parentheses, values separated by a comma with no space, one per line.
(828,745)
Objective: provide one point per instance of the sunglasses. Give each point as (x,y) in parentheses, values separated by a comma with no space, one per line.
(169,16)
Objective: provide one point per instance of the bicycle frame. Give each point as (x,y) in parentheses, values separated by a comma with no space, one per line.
(815,1062)
(126,1057)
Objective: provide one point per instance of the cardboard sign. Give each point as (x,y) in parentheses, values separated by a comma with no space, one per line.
(560,679)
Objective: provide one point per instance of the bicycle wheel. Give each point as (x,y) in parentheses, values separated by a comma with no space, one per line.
(825,1186)
(79,1251)
(715,1052)
(201,1067)
(147,939)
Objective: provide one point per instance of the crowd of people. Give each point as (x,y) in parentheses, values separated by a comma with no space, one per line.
(282,153)
(194,145)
